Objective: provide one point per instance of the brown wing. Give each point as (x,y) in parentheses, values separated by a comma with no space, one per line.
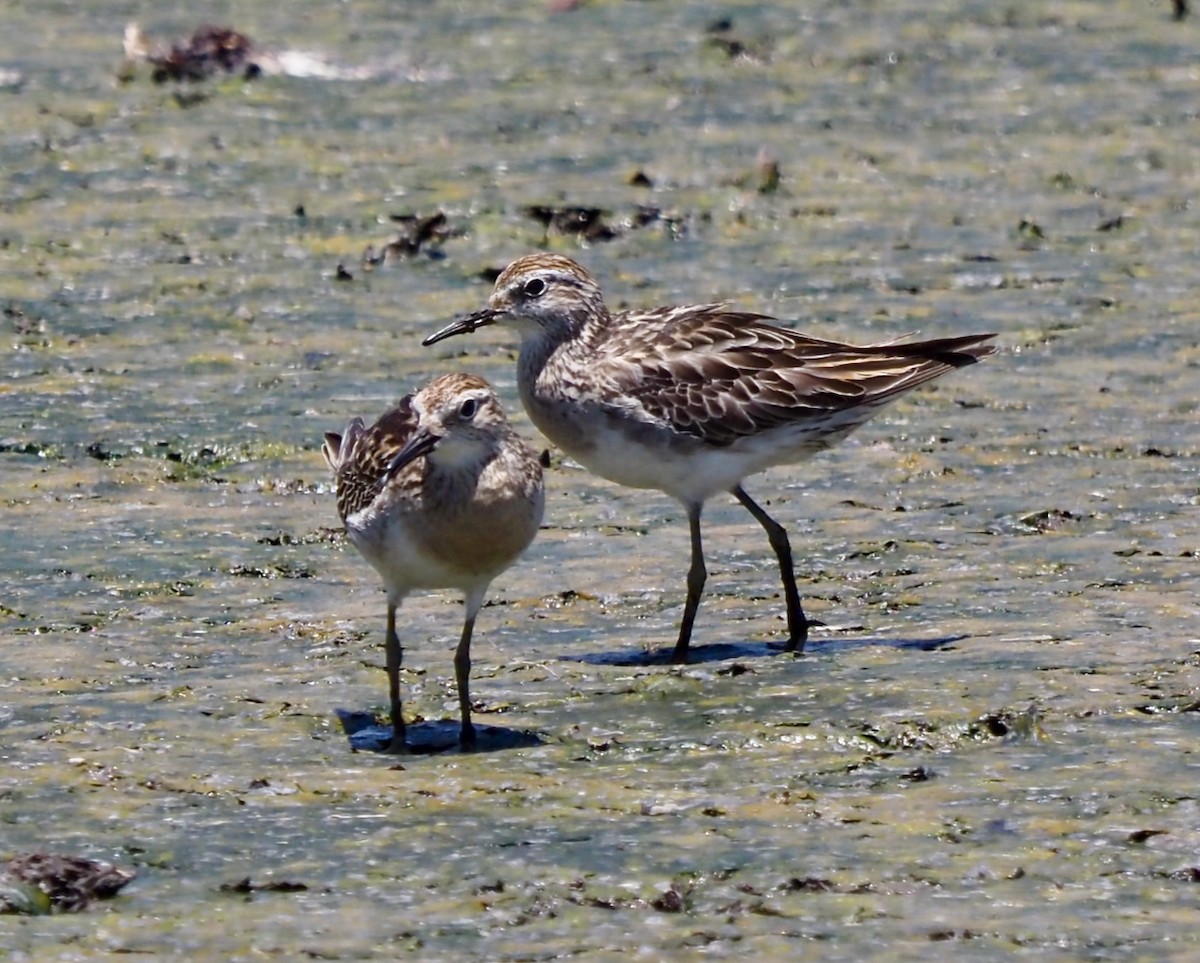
(361,456)
(722,375)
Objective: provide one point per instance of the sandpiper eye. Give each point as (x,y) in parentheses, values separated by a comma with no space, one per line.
(468,408)
(534,288)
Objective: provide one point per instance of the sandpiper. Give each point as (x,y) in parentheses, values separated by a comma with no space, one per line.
(439,493)
(692,399)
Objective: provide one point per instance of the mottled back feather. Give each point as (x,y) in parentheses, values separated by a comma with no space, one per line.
(721,375)
(361,457)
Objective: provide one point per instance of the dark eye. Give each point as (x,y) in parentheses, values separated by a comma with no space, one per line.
(468,408)
(534,288)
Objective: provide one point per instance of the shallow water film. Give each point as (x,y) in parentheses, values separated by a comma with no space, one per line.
(988,751)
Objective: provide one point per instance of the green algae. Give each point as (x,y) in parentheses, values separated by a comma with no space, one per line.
(986,751)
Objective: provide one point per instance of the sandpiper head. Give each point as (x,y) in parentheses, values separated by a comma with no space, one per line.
(458,419)
(541,294)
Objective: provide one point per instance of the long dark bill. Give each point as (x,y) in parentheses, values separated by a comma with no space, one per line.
(463,325)
(420,443)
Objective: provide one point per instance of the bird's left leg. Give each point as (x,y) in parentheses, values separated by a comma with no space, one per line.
(462,675)
(797,622)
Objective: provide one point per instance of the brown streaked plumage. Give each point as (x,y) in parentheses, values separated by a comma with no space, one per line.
(692,399)
(439,493)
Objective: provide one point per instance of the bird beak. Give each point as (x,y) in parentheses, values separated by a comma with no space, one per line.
(464,325)
(422,442)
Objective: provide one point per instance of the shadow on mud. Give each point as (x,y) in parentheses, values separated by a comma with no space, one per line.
(726,651)
(431,736)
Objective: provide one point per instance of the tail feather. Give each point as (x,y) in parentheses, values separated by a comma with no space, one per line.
(956,352)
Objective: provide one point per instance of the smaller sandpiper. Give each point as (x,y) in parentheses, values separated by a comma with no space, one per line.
(439,493)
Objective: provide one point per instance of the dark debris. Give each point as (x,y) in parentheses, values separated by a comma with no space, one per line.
(573,220)
(71,882)
(210,50)
(246,886)
(417,232)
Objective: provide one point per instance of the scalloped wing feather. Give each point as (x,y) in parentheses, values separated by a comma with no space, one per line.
(721,375)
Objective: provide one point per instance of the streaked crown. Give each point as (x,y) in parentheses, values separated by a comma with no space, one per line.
(459,403)
(551,290)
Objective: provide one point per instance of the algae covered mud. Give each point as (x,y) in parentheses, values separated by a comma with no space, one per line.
(989,749)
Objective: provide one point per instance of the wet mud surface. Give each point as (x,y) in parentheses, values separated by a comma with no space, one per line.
(987,751)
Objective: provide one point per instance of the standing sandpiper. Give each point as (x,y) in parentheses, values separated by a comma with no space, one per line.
(439,493)
(691,399)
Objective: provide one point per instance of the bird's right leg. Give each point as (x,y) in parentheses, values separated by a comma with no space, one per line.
(395,655)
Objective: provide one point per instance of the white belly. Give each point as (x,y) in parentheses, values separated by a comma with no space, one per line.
(641,455)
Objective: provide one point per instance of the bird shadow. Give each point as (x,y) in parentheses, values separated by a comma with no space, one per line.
(430,736)
(727,651)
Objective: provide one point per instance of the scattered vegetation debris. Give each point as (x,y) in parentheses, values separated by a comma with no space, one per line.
(566,597)
(998,724)
(246,886)
(1031,234)
(99,451)
(416,231)
(594,224)
(283,570)
(1010,724)
(765,177)
(31,331)
(211,49)
(70,882)
(573,220)
(870,551)
(938,936)
(670,901)
(321,536)
(316,360)
(1048,519)
(807,884)
(721,37)
(646,214)
(731,46)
